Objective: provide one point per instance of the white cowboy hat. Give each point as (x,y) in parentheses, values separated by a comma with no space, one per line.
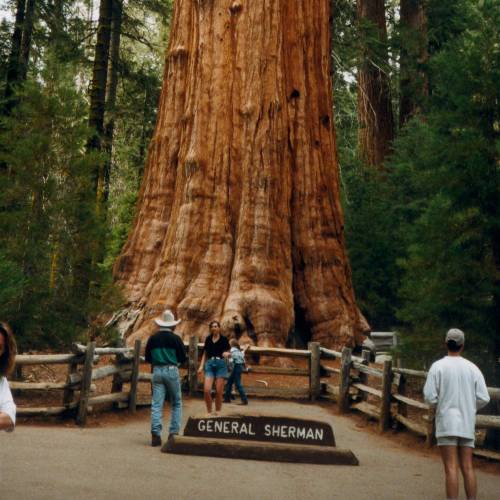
(167,319)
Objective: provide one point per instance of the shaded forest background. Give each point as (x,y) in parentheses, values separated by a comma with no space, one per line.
(417,122)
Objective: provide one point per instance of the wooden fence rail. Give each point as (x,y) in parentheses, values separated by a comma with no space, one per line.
(380,392)
(80,379)
(387,387)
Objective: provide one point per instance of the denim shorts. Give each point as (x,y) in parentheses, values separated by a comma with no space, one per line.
(216,368)
(455,441)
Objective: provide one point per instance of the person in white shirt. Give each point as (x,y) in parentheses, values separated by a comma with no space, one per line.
(457,388)
(7,358)
(237,358)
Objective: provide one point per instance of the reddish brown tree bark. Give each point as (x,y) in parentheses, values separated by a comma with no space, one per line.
(239,215)
(376,121)
(414,83)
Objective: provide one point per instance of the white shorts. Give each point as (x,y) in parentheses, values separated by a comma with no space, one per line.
(455,441)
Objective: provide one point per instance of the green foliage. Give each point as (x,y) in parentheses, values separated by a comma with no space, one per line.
(447,19)
(372,243)
(50,226)
(421,234)
(41,211)
(12,284)
(448,208)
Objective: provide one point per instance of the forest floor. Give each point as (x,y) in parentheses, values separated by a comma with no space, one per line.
(112,459)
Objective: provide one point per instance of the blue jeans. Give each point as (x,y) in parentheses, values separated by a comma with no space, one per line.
(166,380)
(235,378)
(216,368)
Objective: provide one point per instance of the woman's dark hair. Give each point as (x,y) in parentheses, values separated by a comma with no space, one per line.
(8,357)
(214,322)
(453,346)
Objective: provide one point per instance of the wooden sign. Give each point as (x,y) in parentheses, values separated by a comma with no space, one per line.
(260,437)
(262,428)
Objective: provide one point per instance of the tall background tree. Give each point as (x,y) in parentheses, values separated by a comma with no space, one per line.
(413,58)
(375,115)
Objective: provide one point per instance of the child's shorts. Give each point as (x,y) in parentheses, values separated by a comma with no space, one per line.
(455,441)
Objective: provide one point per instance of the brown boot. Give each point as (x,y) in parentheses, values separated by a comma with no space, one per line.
(155,440)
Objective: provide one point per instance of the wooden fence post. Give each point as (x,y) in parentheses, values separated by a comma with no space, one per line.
(117,383)
(365,354)
(363,377)
(431,427)
(345,374)
(132,402)
(81,417)
(402,407)
(18,373)
(193,365)
(385,405)
(69,392)
(314,370)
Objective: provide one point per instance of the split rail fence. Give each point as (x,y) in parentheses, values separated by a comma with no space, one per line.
(382,392)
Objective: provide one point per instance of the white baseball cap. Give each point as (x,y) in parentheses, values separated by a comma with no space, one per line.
(455,334)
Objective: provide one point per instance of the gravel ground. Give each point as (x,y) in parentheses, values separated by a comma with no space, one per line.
(116,462)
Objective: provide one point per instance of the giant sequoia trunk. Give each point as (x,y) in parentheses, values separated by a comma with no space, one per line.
(239,215)
(376,121)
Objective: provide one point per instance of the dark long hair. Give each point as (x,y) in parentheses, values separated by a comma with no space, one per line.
(7,359)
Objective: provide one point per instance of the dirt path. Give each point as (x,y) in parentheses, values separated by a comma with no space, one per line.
(116,462)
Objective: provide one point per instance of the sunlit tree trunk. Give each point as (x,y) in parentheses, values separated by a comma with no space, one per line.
(239,215)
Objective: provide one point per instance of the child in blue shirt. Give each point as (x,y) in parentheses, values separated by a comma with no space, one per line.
(237,357)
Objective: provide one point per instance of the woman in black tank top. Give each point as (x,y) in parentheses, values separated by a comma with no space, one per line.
(214,364)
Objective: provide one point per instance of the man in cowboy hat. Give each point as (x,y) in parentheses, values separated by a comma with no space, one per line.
(165,351)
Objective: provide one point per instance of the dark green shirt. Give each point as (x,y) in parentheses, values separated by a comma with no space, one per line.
(165,348)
